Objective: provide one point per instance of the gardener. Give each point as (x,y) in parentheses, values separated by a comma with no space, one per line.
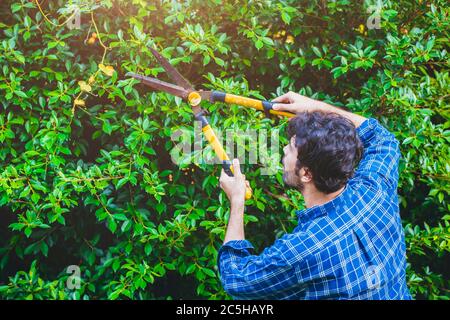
(349,242)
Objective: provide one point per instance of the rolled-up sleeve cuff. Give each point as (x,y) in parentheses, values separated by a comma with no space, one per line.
(232,250)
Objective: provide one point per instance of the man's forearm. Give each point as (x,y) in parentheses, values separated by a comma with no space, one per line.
(356,119)
(235,230)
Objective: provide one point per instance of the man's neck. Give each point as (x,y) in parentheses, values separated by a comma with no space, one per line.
(313,197)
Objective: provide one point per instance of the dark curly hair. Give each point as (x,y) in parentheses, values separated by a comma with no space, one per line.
(328,145)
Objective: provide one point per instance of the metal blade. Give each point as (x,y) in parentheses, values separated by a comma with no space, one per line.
(161,85)
(172,72)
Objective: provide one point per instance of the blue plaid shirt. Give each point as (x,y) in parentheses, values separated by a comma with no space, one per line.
(351,247)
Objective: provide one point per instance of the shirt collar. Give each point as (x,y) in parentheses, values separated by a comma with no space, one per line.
(309,214)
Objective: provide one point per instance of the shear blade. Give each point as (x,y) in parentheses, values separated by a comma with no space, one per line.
(161,85)
(172,72)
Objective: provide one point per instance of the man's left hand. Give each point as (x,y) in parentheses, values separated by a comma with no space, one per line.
(235,186)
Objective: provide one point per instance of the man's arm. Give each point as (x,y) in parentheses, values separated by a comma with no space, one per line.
(379,163)
(295,103)
(380,159)
(234,188)
(243,275)
(235,229)
(266,276)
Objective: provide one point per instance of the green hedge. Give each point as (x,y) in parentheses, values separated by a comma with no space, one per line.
(86,177)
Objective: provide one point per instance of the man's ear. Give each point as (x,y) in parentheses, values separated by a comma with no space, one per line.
(306,175)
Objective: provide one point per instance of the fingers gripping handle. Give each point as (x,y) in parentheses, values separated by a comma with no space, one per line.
(228,168)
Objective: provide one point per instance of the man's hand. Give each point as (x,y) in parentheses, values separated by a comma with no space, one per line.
(234,186)
(294,103)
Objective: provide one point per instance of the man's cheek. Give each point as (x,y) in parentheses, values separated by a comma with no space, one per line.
(288,164)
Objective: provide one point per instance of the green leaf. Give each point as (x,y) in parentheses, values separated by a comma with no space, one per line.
(219,61)
(209,272)
(286,17)
(112,225)
(106,127)
(121,182)
(259,44)
(28,232)
(148,249)
(206,60)
(317,52)
(21,94)
(120,216)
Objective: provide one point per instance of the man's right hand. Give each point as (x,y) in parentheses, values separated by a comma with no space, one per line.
(294,103)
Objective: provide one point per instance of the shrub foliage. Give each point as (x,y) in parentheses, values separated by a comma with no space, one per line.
(86,177)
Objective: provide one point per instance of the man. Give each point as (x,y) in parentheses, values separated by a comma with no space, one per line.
(349,242)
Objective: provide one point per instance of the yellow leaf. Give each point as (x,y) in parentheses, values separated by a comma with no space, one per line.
(79,102)
(290,39)
(91,80)
(84,86)
(361,28)
(108,70)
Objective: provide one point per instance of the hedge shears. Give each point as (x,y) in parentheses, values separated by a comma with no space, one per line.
(185,90)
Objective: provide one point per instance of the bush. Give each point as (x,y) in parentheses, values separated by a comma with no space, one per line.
(86,177)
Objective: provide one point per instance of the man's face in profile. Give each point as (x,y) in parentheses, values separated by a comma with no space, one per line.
(289,161)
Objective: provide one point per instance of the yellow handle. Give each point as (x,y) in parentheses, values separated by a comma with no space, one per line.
(214,142)
(255,104)
(220,152)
